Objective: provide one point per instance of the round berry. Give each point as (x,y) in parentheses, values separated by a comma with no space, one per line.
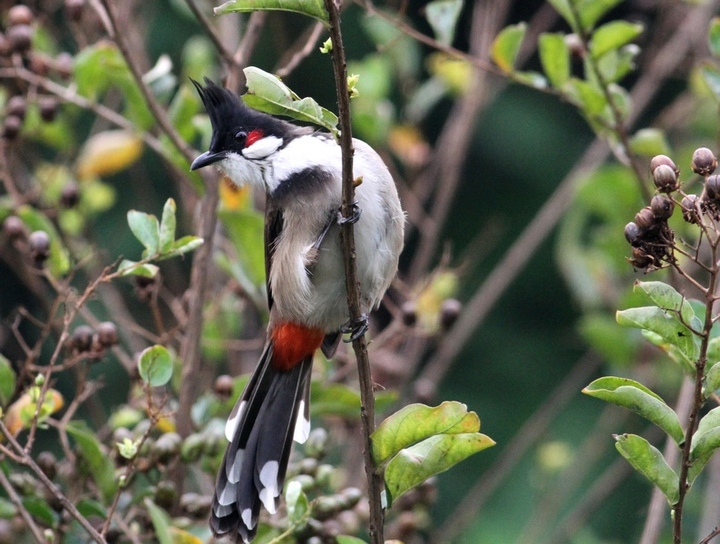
(39,245)
(645,218)
(64,65)
(690,205)
(223,385)
(712,188)
(81,339)
(632,233)
(665,178)
(662,206)
(16,106)
(409,313)
(11,127)
(70,195)
(658,160)
(48,108)
(13,226)
(449,312)
(703,161)
(47,462)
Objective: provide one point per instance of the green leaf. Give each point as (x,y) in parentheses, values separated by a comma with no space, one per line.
(712,380)
(297,502)
(268,94)
(343,401)
(649,142)
(345,539)
(155,365)
(90,507)
(555,57)
(587,96)
(183,245)
(311,8)
(647,460)
(416,422)
(131,268)
(711,76)
(506,46)
(7,381)
(705,442)
(615,65)
(530,78)
(667,298)
(7,509)
(589,12)
(160,522)
(167,226)
(666,326)
(38,508)
(442,16)
(98,461)
(146,229)
(714,36)
(415,464)
(246,228)
(641,400)
(612,36)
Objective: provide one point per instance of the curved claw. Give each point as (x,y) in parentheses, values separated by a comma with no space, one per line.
(352,218)
(355,328)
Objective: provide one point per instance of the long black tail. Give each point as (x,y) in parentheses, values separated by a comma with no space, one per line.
(272,410)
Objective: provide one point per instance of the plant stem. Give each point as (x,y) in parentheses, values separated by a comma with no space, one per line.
(367,398)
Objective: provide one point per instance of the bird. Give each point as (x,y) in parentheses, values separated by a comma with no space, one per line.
(300,170)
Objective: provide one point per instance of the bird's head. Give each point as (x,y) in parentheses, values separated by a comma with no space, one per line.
(241,136)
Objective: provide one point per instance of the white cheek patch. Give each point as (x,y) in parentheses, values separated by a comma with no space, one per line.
(262,148)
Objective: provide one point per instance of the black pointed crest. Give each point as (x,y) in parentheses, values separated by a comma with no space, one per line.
(222,105)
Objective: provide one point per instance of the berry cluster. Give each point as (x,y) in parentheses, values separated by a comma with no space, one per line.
(650,236)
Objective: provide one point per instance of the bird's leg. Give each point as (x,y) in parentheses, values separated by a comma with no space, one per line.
(352,218)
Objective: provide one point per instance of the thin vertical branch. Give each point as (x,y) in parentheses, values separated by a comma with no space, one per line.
(367,405)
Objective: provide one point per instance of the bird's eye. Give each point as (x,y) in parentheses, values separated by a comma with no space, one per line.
(240,136)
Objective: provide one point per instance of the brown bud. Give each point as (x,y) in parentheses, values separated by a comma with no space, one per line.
(81,338)
(48,464)
(20,38)
(70,195)
(645,218)
(107,334)
(409,313)
(74,9)
(39,245)
(223,386)
(712,188)
(13,226)
(16,106)
(658,160)
(64,65)
(48,108)
(39,64)
(11,127)
(662,206)
(703,161)
(665,178)
(640,259)
(19,15)
(449,312)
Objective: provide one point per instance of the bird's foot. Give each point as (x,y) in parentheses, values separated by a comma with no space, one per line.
(352,218)
(356,328)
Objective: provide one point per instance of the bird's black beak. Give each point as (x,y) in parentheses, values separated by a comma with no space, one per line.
(207,159)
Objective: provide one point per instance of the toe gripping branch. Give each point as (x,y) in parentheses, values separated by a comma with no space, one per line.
(356,328)
(352,218)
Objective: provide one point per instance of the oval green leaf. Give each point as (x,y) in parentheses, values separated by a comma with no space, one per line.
(7,381)
(555,57)
(160,522)
(612,36)
(146,229)
(311,8)
(649,142)
(506,46)
(705,442)
(296,501)
(641,400)
(714,36)
(666,297)
(415,464)
(98,461)
(132,268)
(155,365)
(416,422)
(649,462)
(712,379)
(38,508)
(167,226)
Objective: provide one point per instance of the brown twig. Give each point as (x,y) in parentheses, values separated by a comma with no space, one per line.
(712,535)
(17,501)
(367,405)
(300,50)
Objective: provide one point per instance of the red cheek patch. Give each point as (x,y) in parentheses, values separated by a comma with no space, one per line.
(253,137)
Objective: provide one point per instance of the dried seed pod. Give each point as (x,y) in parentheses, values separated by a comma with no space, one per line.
(64,64)
(712,188)
(449,312)
(48,108)
(704,161)
(70,195)
(662,207)
(11,127)
(658,160)
(223,385)
(16,106)
(689,207)
(645,218)
(13,226)
(632,233)
(81,338)
(640,258)
(665,178)
(19,15)
(39,242)
(20,38)
(107,334)
(409,313)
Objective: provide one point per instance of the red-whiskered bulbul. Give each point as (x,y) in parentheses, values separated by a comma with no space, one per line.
(300,171)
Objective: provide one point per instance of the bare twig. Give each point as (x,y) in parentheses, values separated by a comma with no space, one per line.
(712,535)
(367,408)
(17,501)
(240,60)
(300,50)
(210,32)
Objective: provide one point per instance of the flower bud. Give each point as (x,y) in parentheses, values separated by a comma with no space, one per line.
(107,334)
